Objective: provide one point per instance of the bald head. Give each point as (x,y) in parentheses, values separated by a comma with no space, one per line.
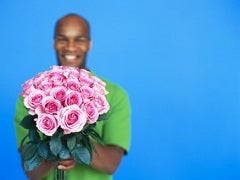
(72,41)
(72,19)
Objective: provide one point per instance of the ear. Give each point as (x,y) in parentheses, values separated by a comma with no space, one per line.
(90,45)
(54,44)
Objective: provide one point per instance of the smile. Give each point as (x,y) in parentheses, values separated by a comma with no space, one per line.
(70,57)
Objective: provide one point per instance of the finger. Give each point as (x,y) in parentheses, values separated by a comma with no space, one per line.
(62,167)
(67,162)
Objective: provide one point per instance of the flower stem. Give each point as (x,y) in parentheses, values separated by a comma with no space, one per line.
(59,174)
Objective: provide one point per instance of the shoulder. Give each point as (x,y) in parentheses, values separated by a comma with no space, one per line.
(117,95)
(113,88)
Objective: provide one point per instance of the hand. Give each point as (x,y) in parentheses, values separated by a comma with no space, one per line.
(66,164)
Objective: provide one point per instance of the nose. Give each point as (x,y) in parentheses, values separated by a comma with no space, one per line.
(71,46)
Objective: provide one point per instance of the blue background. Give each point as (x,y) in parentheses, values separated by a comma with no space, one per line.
(178,60)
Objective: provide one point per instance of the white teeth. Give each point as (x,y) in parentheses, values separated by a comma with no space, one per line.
(70,57)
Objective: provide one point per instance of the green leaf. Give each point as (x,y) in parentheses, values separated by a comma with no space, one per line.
(89,127)
(32,163)
(28,122)
(64,153)
(55,144)
(93,147)
(71,142)
(79,136)
(81,154)
(33,135)
(102,117)
(96,137)
(86,142)
(43,149)
(29,151)
(23,140)
(51,157)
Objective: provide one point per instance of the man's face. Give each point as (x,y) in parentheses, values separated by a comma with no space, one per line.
(72,42)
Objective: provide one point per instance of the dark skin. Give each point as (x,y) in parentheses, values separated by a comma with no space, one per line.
(72,43)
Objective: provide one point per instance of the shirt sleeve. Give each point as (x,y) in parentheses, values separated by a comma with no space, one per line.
(21,111)
(117,128)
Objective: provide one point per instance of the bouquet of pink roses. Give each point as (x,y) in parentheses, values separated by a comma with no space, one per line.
(64,105)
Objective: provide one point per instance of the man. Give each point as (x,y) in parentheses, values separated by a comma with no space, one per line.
(72,42)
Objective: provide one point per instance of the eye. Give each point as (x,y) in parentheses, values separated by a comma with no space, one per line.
(81,40)
(61,40)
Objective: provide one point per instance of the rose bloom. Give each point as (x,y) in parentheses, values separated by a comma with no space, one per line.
(70,72)
(59,93)
(92,112)
(101,103)
(99,87)
(51,105)
(73,97)
(87,93)
(57,78)
(39,78)
(45,86)
(56,68)
(27,86)
(47,124)
(33,100)
(84,73)
(86,80)
(72,119)
(72,84)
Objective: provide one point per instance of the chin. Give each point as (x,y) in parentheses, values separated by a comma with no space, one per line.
(75,63)
(72,64)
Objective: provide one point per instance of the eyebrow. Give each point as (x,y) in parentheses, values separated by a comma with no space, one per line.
(83,36)
(59,35)
(79,36)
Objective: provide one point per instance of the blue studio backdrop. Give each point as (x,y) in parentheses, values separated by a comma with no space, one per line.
(178,61)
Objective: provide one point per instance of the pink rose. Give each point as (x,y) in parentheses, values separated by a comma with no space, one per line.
(87,93)
(86,80)
(51,105)
(27,87)
(45,86)
(92,112)
(33,100)
(55,68)
(73,84)
(72,119)
(99,87)
(47,124)
(101,103)
(43,76)
(73,97)
(84,73)
(57,78)
(99,81)
(59,93)
(71,72)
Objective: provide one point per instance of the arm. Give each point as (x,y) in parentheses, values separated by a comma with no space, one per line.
(40,171)
(106,159)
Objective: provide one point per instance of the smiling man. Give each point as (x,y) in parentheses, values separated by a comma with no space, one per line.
(72,42)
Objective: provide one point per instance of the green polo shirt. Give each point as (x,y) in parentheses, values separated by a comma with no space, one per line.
(116,130)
